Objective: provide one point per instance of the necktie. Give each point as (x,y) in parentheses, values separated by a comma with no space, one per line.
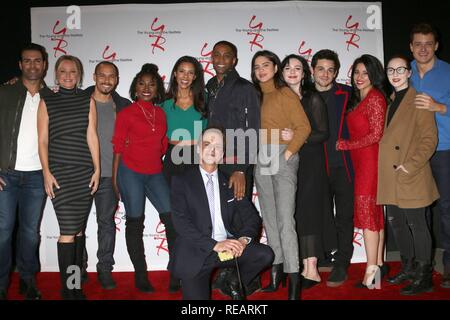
(210,194)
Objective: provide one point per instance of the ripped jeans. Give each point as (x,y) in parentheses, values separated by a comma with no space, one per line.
(411,232)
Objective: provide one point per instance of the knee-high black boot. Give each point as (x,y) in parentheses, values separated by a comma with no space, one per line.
(80,247)
(294,286)
(134,231)
(277,276)
(66,258)
(171,235)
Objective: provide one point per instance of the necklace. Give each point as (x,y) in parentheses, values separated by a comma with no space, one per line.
(151,118)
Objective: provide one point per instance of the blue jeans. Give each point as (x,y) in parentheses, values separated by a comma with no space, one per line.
(440,165)
(106,206)
(134,187)
(25,191)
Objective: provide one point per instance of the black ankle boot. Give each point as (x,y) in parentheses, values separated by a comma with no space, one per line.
(80,246)
(66,258)
(294,286)
(277,276)
(134,232)
(171,235)
(422,281)
(406,273)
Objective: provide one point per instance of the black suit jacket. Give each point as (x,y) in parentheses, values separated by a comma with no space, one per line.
(192,221)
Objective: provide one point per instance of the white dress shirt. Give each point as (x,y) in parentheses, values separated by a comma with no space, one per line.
(27,158)
(219,231)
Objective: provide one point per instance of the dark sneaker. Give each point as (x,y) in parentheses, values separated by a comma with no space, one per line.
(28,289)
(337,276)
(106,280)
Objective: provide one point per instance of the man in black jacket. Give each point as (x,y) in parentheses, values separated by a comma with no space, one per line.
(21,180)
(234,103)
(108,103)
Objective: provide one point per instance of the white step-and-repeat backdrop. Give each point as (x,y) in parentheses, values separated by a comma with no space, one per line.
(133,34)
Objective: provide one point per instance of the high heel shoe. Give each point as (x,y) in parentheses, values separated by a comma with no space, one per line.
(306,283)
(372,280)
(277,276)
(384,270)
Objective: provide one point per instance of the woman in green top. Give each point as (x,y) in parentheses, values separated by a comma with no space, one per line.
(186,118)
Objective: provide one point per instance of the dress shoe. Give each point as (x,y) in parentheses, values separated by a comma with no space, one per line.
(221,279)
(3,294)
(106,280)
(277,276)
(446,278)
(337,276)
(306,283)
(28,289)
(236,292)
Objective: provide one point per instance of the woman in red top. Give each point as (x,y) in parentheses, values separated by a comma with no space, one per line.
(139,143)
(365,121)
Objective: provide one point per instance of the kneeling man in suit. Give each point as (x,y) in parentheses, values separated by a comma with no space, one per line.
(209,220)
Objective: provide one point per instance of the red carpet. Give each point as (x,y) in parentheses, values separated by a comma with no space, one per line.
(48,283)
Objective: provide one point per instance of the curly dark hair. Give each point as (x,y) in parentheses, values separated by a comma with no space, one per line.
(151,70)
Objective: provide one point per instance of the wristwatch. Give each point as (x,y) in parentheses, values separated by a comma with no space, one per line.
(247,239)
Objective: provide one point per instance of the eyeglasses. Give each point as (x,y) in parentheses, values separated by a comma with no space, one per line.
(399,70)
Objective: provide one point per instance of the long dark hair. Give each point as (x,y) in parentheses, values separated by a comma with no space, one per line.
(376,74)
(306,85)
(197,87)
(151,70)
(277,78)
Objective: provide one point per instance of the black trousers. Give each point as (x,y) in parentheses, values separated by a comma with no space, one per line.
(256,257)
(411,232)
(341,195)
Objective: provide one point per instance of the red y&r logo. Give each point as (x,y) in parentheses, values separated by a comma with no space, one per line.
(258,38)
(305,53)
(111,57)
(159,39)
(207,62)
(354,37)
(357,238)
(161,230)
(59,38)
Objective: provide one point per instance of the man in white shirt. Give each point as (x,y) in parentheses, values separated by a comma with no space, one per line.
(208,220)
(21,181)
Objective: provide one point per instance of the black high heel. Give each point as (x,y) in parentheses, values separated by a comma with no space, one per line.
(277,276)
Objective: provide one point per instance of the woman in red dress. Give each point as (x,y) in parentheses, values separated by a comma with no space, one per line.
(365,120)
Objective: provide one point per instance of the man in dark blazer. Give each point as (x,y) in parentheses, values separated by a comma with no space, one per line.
(207,220)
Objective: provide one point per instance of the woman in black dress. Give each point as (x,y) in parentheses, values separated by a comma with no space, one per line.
(311,207)
(69,153)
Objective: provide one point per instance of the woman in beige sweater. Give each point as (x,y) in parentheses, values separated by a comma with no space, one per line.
(276,171)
